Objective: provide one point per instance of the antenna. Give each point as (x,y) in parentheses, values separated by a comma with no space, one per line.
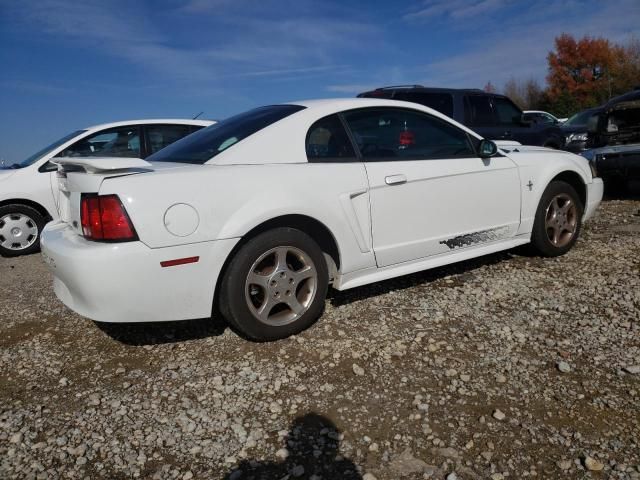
(198,115)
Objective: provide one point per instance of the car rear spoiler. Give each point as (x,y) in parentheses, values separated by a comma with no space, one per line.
(101,164)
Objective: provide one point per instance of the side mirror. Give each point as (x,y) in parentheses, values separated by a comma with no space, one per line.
(487,148)
(592,124)
(48,167)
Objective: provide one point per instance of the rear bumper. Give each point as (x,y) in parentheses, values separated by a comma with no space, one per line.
(124,282)
(594,197)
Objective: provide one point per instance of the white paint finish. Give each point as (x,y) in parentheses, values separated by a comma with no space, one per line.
(355,206)
(266,176)
(595,191)
(42,187)
(372,275)
(441,199)
(124,282)
(231,200)
(284,141)
(102,164)
(540,166)
(181,220)
(506,143)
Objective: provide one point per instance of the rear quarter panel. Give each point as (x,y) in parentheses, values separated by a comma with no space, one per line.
(233,199)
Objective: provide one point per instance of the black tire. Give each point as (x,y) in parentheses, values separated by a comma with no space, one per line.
(35,219)
(540,236)
(234,300)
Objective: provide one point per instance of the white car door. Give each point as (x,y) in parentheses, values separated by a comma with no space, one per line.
(430,192)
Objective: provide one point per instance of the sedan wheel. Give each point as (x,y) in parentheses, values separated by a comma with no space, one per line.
(20,228)
(275,285)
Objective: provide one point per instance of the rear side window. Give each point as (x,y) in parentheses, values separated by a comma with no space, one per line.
(442,102)
(202,146)
(327,141)
(114,142)
(160,136)
(508,113)
(478,111)
(387,134)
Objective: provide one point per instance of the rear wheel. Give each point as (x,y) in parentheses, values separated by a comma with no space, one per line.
(20,227)
(275,285)
(558,220)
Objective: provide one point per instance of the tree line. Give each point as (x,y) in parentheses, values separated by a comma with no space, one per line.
(581,74)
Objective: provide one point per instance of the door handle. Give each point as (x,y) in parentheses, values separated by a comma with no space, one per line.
(395,179)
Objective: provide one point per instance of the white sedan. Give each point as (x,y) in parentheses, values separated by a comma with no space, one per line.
(29,189)
(257,215)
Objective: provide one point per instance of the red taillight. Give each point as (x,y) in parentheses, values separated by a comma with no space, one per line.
(104,218)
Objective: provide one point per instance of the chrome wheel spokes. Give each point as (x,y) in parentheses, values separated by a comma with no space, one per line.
(561,220)
(281,285)
(17,231)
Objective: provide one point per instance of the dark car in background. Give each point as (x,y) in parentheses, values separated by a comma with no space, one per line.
(618,122)
(540,116)
(491,115)
(613,141)
(576,131)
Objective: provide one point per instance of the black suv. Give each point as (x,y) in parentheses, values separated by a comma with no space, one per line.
(493,116)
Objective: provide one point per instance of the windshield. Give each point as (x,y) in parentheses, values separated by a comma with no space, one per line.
(580,118)
(38,155)
(205,144)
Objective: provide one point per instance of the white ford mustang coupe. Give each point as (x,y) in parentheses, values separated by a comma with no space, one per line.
(257,215)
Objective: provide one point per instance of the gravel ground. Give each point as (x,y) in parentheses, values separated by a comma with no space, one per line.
(509,366)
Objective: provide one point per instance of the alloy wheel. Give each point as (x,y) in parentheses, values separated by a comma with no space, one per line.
(281,285)
(561,220)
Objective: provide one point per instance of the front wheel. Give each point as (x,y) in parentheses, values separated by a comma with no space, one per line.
(20,227)
(275,285)
(558,220)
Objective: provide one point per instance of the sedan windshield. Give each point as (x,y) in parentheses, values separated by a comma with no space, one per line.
(38,155)
(580,118)
(202,146)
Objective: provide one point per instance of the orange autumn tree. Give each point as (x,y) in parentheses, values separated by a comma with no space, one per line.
(625,71)
(579,73)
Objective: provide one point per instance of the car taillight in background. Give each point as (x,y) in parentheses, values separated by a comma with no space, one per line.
(104,218)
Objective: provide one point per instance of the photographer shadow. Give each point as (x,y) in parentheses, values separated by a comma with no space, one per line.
(313,446)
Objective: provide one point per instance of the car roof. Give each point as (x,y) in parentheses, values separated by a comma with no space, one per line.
(296,126)
(362,102)
(153,121)
(626,97)
(421,88)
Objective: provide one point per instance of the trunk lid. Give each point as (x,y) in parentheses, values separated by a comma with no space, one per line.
(85,175)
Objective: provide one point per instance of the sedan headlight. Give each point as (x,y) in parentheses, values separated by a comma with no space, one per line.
(577,137)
